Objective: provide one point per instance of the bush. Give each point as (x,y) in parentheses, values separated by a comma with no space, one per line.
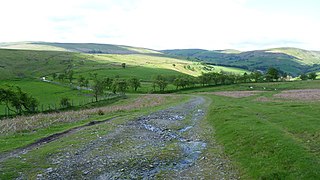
(100,112)
(65,102)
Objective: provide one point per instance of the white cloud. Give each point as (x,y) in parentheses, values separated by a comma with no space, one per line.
(159,24)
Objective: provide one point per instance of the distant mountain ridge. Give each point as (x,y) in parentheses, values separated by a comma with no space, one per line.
(93,48)
(293,61)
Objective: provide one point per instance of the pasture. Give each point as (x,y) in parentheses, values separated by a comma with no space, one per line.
(270,134)
(48,95)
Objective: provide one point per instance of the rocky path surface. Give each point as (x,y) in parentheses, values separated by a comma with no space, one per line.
(167,144)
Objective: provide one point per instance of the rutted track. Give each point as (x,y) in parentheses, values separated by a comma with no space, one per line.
(167,144)
(48,139)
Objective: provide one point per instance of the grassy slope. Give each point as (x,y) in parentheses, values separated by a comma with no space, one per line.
(28,66)
(35,64)
(290,60)
(303,56)
(78,47)
(268,140)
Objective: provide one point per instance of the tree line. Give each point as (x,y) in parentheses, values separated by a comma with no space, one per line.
(161,82)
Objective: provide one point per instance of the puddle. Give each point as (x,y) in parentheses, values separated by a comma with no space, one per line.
(192,151)
(185,129)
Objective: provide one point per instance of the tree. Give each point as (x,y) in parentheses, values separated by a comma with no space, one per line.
(98,88)
(272,74)
(134,83)
(119,85)
(303,77)
(6,97)
(312,75)
(123,65)
(69,75)
(108,82)
(182,82)
(256,76)
(16,98)
(54,76)
(204,79)
(161,82)
(61,77)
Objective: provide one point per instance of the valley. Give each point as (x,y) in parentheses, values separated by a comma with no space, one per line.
(220,115)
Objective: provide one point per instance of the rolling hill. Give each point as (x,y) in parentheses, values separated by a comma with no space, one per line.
(92,48)
(290,60)
(34,60)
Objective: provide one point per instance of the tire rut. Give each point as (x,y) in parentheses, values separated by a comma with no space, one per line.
(161,145)
(53,137)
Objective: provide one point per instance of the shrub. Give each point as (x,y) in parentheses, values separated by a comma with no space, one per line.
(100,112)
(65,102)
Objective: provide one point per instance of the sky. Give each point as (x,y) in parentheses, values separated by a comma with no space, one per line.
(165,24)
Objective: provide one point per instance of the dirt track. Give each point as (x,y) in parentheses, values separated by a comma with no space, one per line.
(167,144)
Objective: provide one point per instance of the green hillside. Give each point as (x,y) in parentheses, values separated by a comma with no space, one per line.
(16,63)
(24,68)
(92,48)
(290,60)
(303,56)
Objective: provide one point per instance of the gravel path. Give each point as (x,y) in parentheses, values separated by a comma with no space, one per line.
(167,144)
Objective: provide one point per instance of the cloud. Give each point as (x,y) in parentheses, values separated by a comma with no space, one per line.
(158,24)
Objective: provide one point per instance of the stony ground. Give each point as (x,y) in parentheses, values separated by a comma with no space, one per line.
(174,143)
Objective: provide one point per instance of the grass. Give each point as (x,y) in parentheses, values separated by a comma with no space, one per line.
(291,60)
(48,94)
(36,64)
(268,140)
(268,86)
(37,158)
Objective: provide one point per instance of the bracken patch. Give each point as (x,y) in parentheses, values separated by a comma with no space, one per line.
(235,94)
(302,95)
(29,123)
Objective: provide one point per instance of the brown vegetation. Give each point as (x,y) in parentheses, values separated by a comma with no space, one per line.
(303,95)
(235,94)
(34,122)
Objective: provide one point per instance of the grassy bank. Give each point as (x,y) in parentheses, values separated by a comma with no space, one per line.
(269,140)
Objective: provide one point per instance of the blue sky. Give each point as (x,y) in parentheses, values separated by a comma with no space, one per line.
(165,24)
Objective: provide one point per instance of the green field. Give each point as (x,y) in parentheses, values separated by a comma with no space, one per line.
(273,139)
(49,95)
(269,140)
(264,135)
(24,68)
